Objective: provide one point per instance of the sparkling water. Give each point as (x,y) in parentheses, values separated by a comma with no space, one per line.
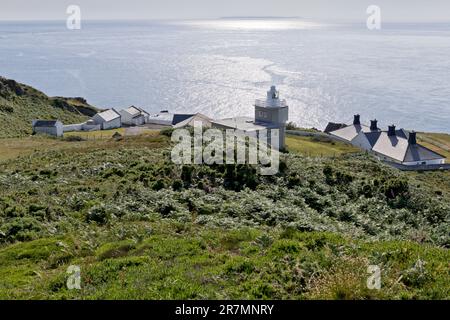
(326,71)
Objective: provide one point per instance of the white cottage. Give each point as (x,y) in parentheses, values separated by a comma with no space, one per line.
(50,127)
(109,119)
(394,145)
(134,116)
(401,147)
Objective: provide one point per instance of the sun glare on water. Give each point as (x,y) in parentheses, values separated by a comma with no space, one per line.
(256,24)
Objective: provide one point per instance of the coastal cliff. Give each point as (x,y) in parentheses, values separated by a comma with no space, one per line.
(20,104)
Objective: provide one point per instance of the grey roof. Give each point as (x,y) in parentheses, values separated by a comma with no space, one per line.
(109,115)
(417,152)
(45,123)
(169,118)
(143,111)
(350,132)
(402,133)
(206,121)
(133,111)
(397,147)
(162,117)
(372,137)
(331,126)
(245,124)
(177,118)
(394,147)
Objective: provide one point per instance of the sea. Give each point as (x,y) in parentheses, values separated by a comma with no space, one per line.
(326,71)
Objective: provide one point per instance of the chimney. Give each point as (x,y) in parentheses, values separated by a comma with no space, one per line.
(356,119)
(391,131)
(374,125)
(412,139)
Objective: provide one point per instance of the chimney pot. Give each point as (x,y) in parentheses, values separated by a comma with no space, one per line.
(412,137)
(374,125)
(391,130)
(356,119)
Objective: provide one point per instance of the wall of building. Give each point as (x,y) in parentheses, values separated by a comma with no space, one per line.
(73,127)
(53,131)
(274,115)
(126,117)
(427,162)
(113,124)
(91,127)
(360,141)
(137,121)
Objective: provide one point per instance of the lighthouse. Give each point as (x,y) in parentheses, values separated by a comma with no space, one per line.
(273,111)
(271,114)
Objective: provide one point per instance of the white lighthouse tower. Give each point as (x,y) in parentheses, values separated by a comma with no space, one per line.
(273,111)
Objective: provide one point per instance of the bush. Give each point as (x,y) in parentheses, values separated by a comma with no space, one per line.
(7,109)
(20,229)
(73,138)
(102,214)
(167,132)
(177,185)
(394,188)
(115,249)
(158,185)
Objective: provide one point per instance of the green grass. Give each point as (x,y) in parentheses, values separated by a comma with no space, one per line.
(12,148)
(20,104)
(317,147)
(158,261)
(111,207)
(438,142)
(107,134)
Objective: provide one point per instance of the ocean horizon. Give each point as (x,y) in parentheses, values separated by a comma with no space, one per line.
(326,71)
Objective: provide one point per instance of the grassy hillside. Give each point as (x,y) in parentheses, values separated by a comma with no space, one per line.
(142,227)
(439,142)
(318,146)
(20,104)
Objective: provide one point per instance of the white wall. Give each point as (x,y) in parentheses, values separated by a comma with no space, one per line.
(113,124)
(360,141)
(428,162)
(91,127)
(73,127)
(53,131)
(126,117)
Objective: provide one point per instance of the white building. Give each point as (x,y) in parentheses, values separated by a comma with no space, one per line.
(50,127)
(165,118)
(270,113)
(398,146)
(134,116)
(198,117)
(356,134)
(109,119)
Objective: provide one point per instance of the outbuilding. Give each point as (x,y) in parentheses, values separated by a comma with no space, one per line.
(109,119)
(134,116)
(50,127)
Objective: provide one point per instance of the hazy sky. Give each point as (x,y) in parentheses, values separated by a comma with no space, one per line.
(392,10)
